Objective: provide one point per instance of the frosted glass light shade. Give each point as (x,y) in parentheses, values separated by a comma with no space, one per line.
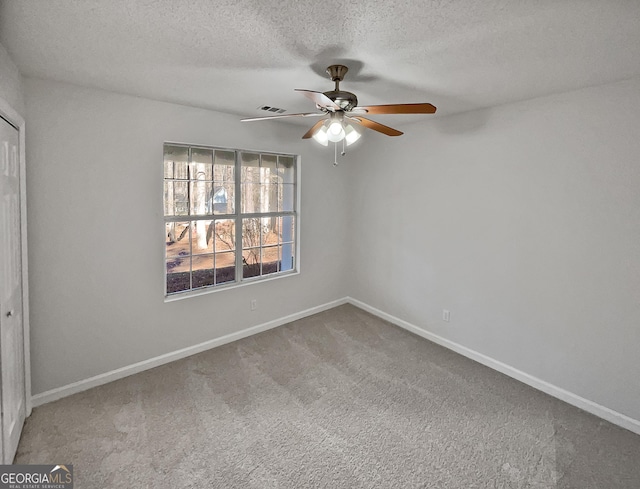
(321,136)
(335,132)
(351,135)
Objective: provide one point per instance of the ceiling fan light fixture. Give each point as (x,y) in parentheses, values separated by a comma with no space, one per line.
(335,131)
(321,136)
(351,135)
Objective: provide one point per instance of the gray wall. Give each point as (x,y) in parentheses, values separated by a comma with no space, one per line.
(524,222)
(96,231)
(10,82)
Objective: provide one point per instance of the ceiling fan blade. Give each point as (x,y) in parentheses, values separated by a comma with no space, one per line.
(313,130)
(376,126)
(397,109)
(320,99)
(307,114)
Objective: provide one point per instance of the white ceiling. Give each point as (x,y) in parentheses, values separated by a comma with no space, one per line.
(237,55)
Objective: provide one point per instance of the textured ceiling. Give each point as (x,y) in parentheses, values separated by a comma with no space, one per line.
(237,55)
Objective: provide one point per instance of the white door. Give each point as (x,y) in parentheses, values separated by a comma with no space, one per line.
(11,311)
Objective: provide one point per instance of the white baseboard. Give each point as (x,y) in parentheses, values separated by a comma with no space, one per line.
(83,385)
(557,392)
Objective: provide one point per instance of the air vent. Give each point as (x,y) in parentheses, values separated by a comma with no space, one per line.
(268,108)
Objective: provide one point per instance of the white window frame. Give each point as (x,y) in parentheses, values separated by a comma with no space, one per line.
(238,217)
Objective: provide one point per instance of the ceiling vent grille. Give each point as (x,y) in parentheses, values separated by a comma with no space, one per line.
(268,108)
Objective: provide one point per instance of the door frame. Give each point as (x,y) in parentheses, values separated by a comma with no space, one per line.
(16,120)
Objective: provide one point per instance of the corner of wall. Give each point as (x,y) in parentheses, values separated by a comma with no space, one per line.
(10,82)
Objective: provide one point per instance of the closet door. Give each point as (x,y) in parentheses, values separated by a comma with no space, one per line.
(11,304)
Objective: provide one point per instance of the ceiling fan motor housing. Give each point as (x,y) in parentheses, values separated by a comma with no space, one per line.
(346,100)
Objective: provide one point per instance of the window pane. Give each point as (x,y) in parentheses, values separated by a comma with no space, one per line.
(179,264)
(168,167)
(177,280)
(258,198)
(286,169)
(201,198)
(203,272)
(176,198)
(250,233)
(251,262)
(200,171)
(201,187)
(175,162)
(181,170)
(201,164)
(224,166)
(287,197)
(287,262)
(169,200)
(270,227)
(223,198)
(178,239)
(181,198)
(250,172)
(268,169)
(270,259)
(287,229)
(225,267)
(287,238)
(225,235)
(201,237)
(269,197)
(250,198)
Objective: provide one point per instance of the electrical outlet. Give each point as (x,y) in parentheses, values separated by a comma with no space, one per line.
(446,315)
(254,304)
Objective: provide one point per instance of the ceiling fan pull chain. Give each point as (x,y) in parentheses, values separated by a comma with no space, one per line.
(344,151)
(335,157)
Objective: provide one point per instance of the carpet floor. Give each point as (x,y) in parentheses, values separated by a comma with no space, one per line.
(340,399)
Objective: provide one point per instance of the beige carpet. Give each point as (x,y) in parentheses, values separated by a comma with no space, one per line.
(337,400)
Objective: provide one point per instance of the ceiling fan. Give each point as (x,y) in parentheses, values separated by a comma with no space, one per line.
(339,109)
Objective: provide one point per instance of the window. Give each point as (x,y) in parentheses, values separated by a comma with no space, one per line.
(230,216)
